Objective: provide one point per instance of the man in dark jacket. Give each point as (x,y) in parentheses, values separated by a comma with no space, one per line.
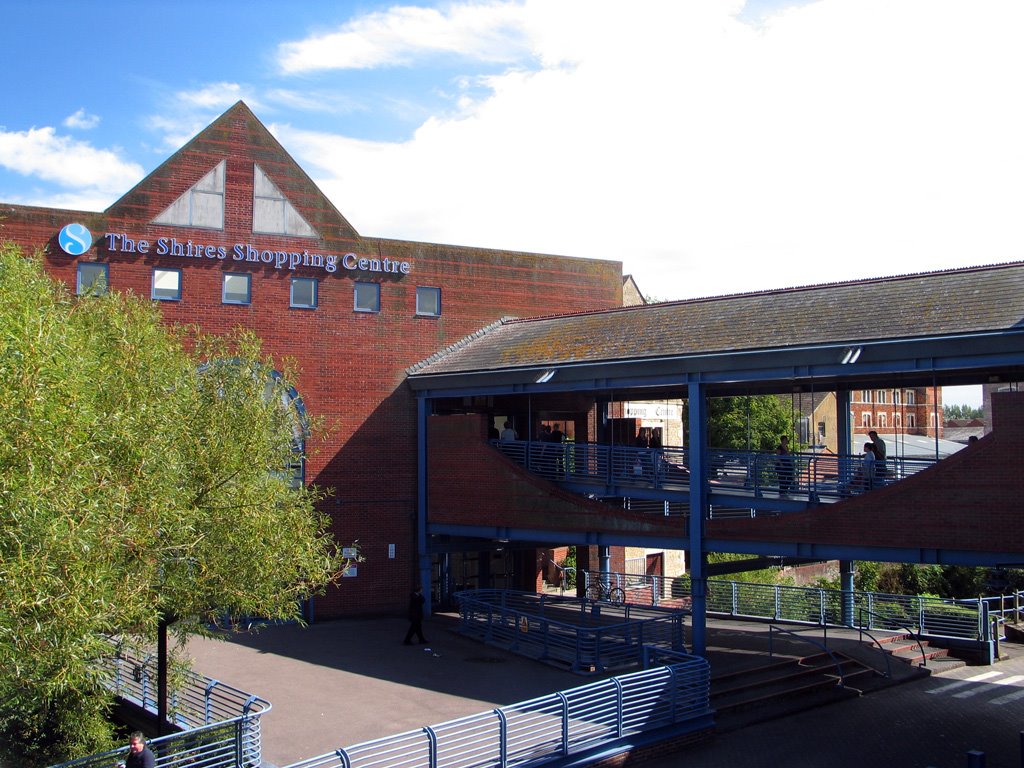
(416,601)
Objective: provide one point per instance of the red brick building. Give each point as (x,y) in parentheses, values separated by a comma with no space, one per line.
(909,411)
(230,231)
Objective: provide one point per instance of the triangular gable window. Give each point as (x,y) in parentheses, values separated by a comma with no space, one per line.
(272,213)
(201,206)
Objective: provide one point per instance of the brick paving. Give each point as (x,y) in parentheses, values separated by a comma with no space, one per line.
(344,682)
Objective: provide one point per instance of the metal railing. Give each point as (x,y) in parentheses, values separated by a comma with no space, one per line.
(822,647)
(221,724)
(813,475)
(586,635)
(221,745)
(674,698)
(197,701)
(816,606)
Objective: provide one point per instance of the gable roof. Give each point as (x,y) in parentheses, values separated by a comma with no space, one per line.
(926,305)
(236,135)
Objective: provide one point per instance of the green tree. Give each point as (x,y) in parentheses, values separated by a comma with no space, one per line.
(748,422)
(136,484)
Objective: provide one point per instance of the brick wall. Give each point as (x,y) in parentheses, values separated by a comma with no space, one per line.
(351,365)
(471,483)
(969,501)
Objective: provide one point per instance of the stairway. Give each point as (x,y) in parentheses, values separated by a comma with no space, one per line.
(905,648)
(782,688)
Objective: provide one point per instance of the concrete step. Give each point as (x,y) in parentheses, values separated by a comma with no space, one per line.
(905,648)
(783,688)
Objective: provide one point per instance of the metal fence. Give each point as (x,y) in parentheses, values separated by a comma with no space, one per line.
(220,724)
(221,745)
(928,616)
(572,722)
(742,473)
(586,635)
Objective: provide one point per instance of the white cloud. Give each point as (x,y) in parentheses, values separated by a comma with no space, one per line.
(71,164)
(402,34)
(187,112)
(81,120)
(838,139)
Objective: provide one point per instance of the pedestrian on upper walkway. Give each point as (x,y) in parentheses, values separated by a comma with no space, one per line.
(784,466)
(881,469)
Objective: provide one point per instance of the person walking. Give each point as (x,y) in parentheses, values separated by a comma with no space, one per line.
(139,755)
(415,615)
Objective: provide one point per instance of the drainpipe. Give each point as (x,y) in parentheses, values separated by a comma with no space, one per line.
(421,503)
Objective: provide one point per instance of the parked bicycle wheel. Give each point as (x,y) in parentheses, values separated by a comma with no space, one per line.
(616,595)
(595,591)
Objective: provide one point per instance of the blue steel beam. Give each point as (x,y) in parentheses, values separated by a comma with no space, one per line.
(806,550)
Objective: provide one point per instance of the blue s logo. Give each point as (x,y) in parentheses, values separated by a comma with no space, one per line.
(75,239)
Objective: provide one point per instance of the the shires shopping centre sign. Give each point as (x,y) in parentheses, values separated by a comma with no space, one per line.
(75,240)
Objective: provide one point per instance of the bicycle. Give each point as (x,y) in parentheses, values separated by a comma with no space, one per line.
(599,590)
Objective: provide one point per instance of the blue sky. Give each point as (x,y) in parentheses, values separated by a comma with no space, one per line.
(712,146)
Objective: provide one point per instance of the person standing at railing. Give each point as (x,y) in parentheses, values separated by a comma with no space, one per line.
(880,466)
(558,437)
(139,755)
(864,478)
(784,466)
(508,433)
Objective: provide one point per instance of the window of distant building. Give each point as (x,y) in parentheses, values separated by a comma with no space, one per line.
(367,297)
(303,293)
(911,421)
(897,396)
(237,289)
(428,301)
(897,420)
(167,284)
(883,420)
(202,205)
(910,397)
(865,396)
(865,419)
(880,396)
(93,278)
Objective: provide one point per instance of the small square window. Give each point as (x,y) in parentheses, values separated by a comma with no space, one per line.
(167,284)
(304,293)
(93,278)
(237,289)
(367,297)
(428,301)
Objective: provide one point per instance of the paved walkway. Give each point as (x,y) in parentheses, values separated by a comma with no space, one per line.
(345,682)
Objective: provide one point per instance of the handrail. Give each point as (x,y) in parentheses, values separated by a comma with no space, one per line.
(888,661)
(839,666)
(747,474)
(917,638)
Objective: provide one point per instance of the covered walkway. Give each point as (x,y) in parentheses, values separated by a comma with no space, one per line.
(941,328)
